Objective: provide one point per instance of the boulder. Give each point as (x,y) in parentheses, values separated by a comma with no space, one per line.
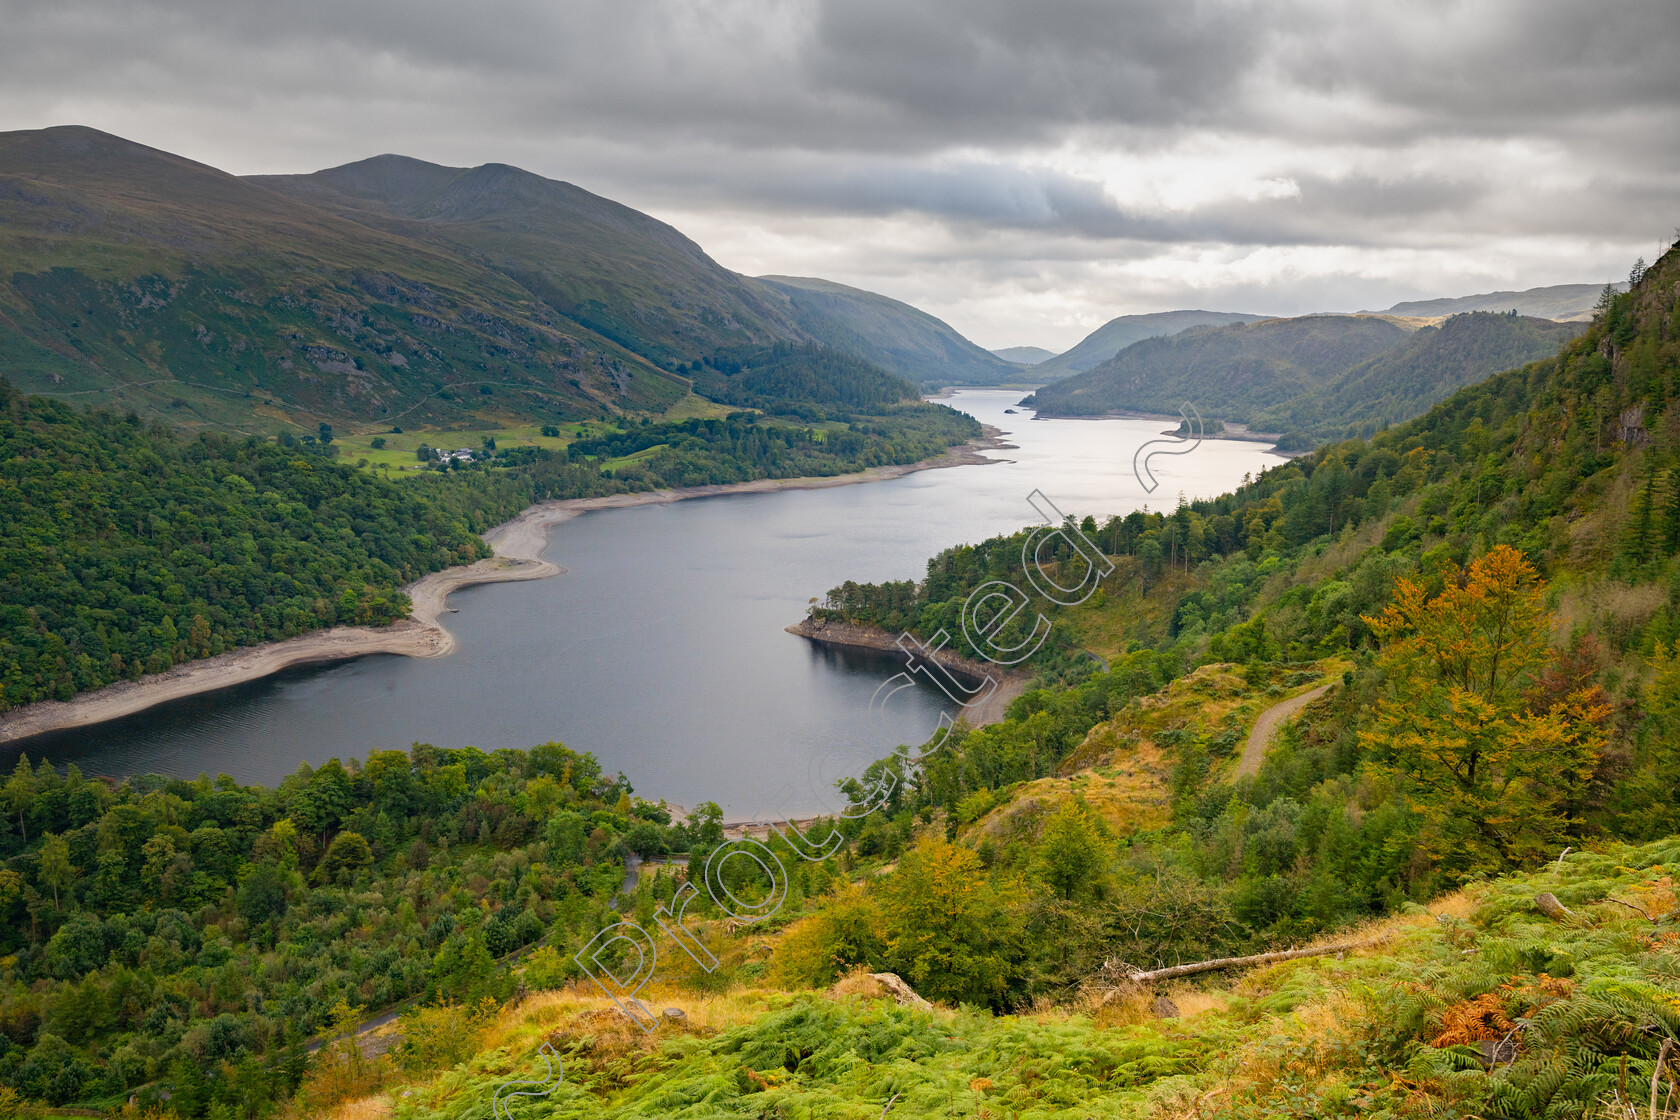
(899,990)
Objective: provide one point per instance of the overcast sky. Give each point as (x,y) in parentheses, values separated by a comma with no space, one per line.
(1026,170)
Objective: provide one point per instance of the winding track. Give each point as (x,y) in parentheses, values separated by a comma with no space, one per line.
(1268,723)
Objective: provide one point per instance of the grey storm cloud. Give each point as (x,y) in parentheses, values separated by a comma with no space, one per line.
(1437,132)
(880,75)
(1351,210)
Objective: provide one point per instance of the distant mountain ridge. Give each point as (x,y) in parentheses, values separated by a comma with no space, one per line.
(1118,333)
(1428,366)
(386,290)
(895,336)
(1559,302)
(1025,355)
(1228,372)
(396,290)
(603,265)
(1310,378)
(143,280)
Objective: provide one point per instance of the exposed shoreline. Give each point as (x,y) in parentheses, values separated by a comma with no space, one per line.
(1011,682)
(518,544)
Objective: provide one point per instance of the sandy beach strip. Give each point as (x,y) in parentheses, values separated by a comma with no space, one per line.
(518,545)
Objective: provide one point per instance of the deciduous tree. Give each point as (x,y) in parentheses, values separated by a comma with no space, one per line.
(951,931)
(1491,764)
(56,871)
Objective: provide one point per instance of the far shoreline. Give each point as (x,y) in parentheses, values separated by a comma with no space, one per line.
(1239,433)
(518,545)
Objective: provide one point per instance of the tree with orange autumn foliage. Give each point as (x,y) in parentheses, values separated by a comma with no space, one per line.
(1489,756)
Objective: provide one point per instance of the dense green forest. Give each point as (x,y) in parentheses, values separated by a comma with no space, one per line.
(130,549)
(201,931)
(776,377)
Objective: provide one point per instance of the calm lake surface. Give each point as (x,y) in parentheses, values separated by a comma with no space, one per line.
(661,649)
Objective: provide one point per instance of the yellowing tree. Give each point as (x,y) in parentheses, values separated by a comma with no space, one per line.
(845,932)
(1489,761)
(951,932)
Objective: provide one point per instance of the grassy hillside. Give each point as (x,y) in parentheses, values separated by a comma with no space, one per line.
(1229,373)
(895,336)
(1427,367)
(613,270)
(1117,334)
(139,279)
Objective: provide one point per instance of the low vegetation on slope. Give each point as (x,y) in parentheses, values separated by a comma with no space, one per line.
(1572,1015)
(608,268)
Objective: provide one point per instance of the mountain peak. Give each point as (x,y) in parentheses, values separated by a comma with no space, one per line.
(73,152)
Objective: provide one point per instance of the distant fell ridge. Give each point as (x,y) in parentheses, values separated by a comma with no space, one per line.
(895,336)
(1559,302)
(387,291)
(1025,355)
(1229,373)
(603,265)
(138,279)
(1428,366)
(1117,334)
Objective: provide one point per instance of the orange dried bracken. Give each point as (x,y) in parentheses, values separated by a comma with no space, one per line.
(1476,1020)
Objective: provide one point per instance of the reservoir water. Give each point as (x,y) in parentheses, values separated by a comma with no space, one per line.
(661,648)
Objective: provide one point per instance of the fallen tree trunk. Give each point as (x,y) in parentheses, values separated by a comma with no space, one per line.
(1220,963)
